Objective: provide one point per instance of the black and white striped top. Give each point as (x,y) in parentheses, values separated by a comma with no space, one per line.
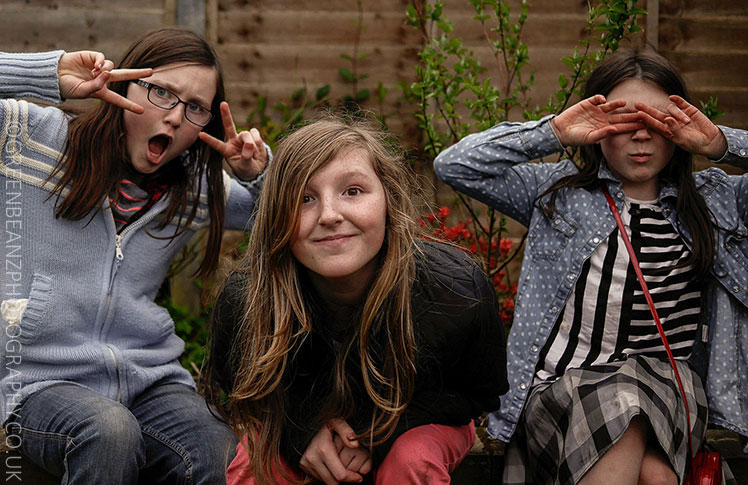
(607,317)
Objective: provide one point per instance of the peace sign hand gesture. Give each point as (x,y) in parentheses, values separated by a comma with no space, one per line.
(84,74)
(245,152)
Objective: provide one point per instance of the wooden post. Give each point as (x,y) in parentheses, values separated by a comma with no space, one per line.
(211,22)
(653,23)
(191,14)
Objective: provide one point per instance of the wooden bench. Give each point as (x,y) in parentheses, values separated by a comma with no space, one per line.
(480,467)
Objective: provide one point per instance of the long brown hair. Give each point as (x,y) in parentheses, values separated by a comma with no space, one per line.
(278,315)
(652,67)
(95,156)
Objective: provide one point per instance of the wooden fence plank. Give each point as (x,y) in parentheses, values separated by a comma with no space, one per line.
(718,34)
(695,8)
(310,27)
(73,28)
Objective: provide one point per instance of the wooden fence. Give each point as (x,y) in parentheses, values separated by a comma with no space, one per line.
(271,48)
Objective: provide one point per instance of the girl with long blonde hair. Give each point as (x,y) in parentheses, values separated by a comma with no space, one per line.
(344,339)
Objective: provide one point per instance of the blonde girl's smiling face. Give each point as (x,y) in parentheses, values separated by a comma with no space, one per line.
(638,157)
(342,222)
(158,135)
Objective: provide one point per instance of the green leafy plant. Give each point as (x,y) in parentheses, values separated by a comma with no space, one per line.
(710,108)
(288,113)
(455,95)
(351,74)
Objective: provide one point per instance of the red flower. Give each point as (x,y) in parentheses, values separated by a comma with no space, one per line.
(444,212)
(508,304)
(505,246)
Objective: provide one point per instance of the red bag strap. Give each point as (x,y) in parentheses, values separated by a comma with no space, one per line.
(648,297)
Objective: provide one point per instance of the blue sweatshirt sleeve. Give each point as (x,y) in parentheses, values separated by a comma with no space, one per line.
(242,197)
(30,76)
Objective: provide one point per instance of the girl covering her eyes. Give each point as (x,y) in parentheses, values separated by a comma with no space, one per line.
(592,398)
(350,348)
(94,392)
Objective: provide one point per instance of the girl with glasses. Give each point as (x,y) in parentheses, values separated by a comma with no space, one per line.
(102,203)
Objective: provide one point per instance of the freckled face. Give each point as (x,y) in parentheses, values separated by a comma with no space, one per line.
(638,157)
(157,136)
(343,220)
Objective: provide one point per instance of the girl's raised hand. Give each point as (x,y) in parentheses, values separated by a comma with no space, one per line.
(84,74)
(588,121)
(321,458)
(245,152)
(685,126)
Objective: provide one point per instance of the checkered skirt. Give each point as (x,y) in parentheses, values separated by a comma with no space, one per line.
(567,425)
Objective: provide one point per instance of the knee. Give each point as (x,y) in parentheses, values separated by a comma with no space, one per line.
(208,453)
(411,460)
(656,471)
(112,426)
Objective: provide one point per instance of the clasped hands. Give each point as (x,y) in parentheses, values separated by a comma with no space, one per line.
(593,119)
(334,455)
(85,74)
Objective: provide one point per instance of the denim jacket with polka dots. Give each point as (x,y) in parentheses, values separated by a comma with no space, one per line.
(491,166)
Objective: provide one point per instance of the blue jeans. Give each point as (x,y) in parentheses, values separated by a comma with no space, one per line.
(167,435)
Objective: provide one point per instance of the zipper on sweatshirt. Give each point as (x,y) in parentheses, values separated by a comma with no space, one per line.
(116,373)
(118,247)
(119,256)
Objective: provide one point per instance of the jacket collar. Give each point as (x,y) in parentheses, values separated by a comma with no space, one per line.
(669,191)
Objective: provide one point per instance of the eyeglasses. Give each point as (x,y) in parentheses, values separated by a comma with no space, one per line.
(165,99)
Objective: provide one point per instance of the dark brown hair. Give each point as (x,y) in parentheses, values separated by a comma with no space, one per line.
(95,156)
(646,65)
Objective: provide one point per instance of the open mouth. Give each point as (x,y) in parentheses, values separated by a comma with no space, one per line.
(157,147)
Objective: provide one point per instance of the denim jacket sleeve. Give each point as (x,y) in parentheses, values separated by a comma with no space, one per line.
(737,156)
(725,311)
(489,166)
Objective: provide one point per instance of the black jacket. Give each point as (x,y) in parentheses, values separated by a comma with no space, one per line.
(460,356)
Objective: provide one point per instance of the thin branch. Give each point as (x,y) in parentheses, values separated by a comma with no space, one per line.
(510,258)
(471,211)
(492,221)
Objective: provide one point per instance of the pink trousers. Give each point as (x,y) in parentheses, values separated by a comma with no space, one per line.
(422,455)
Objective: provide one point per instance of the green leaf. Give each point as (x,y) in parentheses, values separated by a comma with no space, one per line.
(381,91)
(346,74)
(322,92)
(296,95)
(362,95)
